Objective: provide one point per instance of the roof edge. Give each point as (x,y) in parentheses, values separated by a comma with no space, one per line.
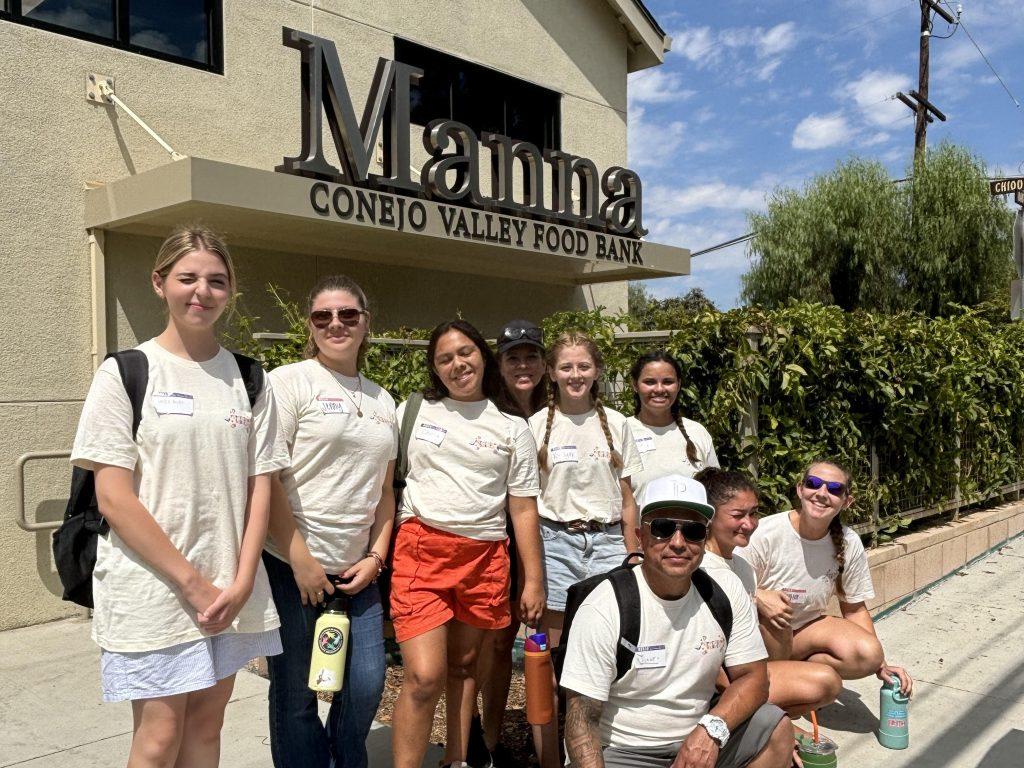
(648,42)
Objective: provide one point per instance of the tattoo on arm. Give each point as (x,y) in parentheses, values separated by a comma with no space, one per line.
(582,737)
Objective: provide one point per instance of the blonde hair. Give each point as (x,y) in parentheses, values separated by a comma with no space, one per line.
(574,338)
(187,239)
(337,283)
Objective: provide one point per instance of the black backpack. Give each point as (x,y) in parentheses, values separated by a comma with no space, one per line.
(627,597)
(74,543)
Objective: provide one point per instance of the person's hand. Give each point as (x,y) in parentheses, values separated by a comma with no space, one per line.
(885,674)
(222,611)
(359,576)
(774,607)
(311,580)
(796,757)
(699,750)
(532,602)
(200,593)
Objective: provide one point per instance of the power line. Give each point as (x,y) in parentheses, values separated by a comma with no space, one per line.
(989,63)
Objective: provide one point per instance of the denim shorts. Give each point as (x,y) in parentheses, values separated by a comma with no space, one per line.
(570,557)
(182,668)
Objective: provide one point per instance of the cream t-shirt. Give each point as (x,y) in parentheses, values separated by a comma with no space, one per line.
(681,648)
(714,564)
(806,570)
(338,458)
(197,446)
(464,458)
(580,482)
(663,451)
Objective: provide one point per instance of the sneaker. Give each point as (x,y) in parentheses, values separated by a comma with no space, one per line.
(477,755)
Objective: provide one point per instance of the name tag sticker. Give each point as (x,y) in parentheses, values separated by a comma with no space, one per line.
(329,405)
(561,454)
(796,596)
(172,402)
(431,433)
(651,657)
(645,444)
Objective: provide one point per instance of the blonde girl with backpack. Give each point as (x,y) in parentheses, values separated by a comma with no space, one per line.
(182,600)
(588,515)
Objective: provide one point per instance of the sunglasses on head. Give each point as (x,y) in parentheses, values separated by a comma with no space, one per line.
(321,318)
(663,528)
(514,334)
(834,487)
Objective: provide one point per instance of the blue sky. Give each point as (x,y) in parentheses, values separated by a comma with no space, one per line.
(758,95)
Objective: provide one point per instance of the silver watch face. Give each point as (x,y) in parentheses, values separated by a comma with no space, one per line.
(716,728)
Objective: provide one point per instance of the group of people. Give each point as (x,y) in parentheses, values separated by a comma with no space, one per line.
(487,496)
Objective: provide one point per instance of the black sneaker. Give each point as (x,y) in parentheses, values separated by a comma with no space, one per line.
(477,754)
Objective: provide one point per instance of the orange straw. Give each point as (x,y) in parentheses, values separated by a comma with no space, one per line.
(814,722)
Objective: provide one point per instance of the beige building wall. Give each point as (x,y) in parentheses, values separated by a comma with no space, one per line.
(55,143)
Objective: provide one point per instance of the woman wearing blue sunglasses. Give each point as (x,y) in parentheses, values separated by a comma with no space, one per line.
(801,559)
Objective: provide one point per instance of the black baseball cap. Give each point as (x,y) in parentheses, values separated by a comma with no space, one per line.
(517,332)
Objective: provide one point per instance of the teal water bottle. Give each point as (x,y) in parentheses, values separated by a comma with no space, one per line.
(893,716)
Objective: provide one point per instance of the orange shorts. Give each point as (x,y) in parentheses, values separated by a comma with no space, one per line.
(438,576)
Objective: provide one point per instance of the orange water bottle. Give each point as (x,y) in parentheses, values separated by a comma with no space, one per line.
(540,677)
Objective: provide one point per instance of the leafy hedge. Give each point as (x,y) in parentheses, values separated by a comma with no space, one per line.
(942,400)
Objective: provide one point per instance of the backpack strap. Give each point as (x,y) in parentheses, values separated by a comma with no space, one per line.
(716,599)
(252,375)
(133,365)
(412,409)
(627,595)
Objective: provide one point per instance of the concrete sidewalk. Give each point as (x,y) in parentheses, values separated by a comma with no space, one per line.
(962,641)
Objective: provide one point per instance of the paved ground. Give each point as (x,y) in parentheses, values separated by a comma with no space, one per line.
(963,642)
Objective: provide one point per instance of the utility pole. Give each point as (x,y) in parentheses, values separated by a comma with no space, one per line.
(920,104)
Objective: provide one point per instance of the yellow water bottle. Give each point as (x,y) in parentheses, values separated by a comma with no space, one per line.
(330,646)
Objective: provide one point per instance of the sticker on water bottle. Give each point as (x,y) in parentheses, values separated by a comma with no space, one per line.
(326,678)
(330,641)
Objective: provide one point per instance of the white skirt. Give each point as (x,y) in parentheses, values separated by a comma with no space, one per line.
(182,668)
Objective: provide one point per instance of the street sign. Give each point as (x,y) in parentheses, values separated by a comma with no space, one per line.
(1006,186)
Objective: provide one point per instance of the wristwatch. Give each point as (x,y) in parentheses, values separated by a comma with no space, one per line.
(716,728)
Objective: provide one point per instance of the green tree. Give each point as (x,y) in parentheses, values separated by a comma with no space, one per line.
(651,313)
(856,239)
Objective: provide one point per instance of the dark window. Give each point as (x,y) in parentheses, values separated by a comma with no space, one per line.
(183,31)
(482,98)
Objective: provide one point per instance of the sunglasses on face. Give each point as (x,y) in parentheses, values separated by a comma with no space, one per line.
(834,487)
(350,316)
(664,528)
(514,334)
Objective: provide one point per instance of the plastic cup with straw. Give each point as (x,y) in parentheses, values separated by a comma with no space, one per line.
(818,751)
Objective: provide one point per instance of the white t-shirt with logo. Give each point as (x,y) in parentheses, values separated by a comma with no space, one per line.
(338,458)
(580,482)
(714,564)
(197,446)
(681,649)
(804,569)
(464,458)
(663,451)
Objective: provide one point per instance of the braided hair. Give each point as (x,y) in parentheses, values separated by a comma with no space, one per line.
(835,525)
(575,338)
(661,356)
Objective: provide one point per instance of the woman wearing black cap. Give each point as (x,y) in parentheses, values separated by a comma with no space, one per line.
(521,359)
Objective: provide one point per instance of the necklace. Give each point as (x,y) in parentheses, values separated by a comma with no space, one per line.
(359,378)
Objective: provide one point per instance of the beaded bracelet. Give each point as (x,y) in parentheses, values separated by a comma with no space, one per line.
(377,559)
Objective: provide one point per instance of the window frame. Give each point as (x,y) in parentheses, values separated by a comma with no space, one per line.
(10,11)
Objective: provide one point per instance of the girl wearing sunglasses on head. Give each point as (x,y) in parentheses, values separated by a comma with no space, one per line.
(801,559)
(181,598)
(467,463)
(668,442)
(331,519)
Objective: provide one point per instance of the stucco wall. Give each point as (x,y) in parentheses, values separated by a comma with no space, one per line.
(55,143)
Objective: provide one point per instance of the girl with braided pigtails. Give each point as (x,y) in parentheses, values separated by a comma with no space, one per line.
(588,517)
(668,443)
(803,557)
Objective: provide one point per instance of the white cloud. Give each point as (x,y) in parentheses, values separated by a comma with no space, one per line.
(695,44)
(657,86)
(777,40)
(821,131)
(669,201)
(651,142)
(872,92)
(703,46)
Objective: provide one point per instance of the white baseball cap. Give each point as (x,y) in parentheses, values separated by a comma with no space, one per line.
(675,492)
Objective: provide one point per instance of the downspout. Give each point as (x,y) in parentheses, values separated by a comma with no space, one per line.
(98,282)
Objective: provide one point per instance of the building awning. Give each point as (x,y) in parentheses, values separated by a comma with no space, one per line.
(293,214)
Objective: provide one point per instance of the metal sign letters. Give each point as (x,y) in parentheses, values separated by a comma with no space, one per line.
(610,202)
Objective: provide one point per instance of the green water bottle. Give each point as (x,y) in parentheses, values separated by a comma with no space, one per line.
(893,716)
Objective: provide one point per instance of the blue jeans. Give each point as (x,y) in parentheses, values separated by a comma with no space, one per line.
(297,737)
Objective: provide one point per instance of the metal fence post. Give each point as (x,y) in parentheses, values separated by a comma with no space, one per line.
(956,463)
(748,424)
(875,505)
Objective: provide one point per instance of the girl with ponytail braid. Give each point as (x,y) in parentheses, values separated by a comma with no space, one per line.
(668,443)
(804,557)
(588,517)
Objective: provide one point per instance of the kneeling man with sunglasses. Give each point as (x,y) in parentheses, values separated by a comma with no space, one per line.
(663,711)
